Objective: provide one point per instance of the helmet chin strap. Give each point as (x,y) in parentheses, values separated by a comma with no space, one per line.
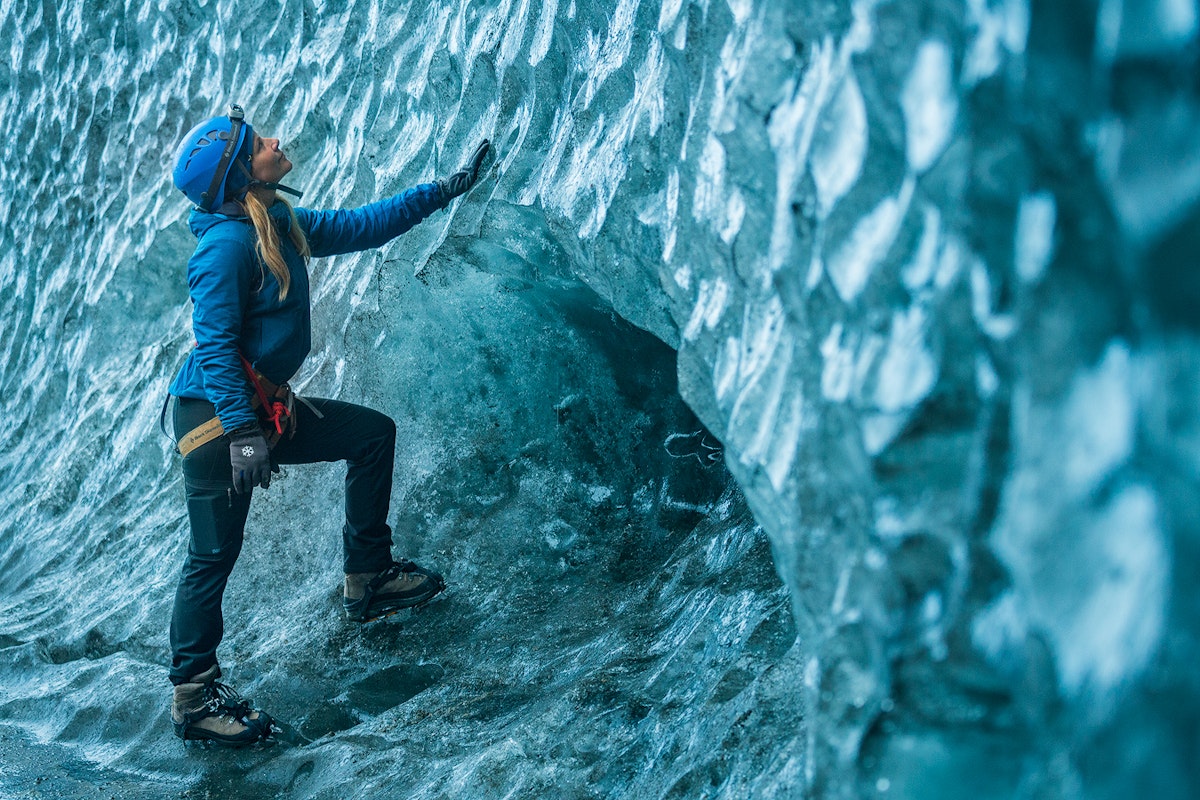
(277,186)
(255,182)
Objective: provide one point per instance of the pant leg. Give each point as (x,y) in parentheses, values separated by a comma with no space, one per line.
(366,440)
(218,519)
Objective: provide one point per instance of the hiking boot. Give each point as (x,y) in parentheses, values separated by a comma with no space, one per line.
(204,709)
(371,595)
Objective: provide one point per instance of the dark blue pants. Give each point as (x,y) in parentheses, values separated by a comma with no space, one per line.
(364,439)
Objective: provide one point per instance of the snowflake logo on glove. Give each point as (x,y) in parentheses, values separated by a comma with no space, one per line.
(247,451)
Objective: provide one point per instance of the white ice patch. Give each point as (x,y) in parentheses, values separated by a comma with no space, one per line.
(667,14)
(735,214)
(1106,136)
(983,56)
(672,215)
(995,325)
(838,372)
(932,608)
(598,494)
(986,379)
(741,10)
(661,212)
(1117,624)
(649,102)
(838,605)
(339,376)
(812,674)
(785,440)
(907,371)
(566,403)
(762,328)
(930,105)
(683,277)
(839,145)
(1016,25)
(1101,418)
(791,130)
(998,26)
(851,265)
(725,371)
(1092,568)
(918,273)
(514,34)
(879,430)
(895,520)
(708,200)
(1034,235)
(847,364)
(556,183)
(949,262)
(1000,629)
(710,306)
(1177,19)
(602,60)
(768,417)
(713,202)
(679,42)
(545,29)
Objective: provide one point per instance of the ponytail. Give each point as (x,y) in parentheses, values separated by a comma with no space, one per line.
(268,239)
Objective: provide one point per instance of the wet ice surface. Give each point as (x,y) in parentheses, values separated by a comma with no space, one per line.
(927,270)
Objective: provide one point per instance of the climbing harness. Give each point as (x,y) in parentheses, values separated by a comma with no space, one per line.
(275,404)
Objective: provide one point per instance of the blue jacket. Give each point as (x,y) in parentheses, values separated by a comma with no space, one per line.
(236,302)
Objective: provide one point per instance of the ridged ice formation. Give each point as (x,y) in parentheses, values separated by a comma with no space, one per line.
(922,271)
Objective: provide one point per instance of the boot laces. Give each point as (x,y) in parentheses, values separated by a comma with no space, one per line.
(396,570)
(222,699)
(401,567)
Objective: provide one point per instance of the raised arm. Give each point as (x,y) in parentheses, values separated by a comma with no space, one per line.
(333,232)
(345,231)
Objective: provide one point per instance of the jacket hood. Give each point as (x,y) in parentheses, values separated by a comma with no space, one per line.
(201,222)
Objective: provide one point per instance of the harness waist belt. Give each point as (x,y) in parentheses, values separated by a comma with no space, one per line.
(280,417)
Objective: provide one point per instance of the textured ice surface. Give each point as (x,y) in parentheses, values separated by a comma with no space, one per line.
(921,274)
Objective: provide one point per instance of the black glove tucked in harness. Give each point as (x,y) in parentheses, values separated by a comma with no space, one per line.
(250,458)
(459,182)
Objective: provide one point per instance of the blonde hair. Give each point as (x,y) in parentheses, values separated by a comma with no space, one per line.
(268,239)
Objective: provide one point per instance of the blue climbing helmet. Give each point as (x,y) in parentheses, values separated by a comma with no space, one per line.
(212,164)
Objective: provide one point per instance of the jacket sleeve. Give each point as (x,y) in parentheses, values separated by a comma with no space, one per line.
(219,276)
(334,232)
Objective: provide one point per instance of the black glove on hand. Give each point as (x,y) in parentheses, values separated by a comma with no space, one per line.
(459,182)
(250,458)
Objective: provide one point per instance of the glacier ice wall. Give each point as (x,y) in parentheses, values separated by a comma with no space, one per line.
(923,271)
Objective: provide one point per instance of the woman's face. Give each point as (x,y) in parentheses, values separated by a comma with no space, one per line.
(267,162)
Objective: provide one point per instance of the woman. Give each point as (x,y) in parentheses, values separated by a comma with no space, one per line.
(235,417)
